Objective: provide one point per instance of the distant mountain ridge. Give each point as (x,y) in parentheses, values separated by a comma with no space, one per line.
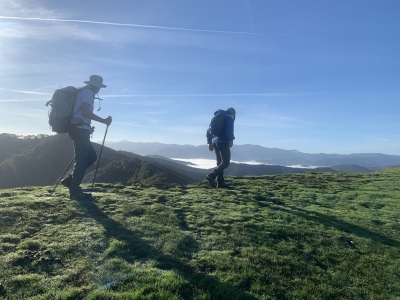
(272,156)
(40,160)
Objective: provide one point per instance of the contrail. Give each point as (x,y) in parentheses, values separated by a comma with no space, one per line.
(131,25)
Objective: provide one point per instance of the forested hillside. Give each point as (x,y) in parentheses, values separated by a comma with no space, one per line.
(11,144)
(42,160)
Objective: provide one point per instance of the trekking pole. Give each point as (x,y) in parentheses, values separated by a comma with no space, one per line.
(98,161)
(62,175)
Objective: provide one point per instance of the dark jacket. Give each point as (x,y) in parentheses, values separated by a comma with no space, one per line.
(229,132)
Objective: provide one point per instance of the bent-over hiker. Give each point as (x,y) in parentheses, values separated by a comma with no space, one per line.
(220,140)
(79,132)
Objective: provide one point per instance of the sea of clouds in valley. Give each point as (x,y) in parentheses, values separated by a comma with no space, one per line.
(202,163)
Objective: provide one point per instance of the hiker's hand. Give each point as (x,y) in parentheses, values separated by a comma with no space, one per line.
(108,121)
(210,147)
(91,130)
(230,144)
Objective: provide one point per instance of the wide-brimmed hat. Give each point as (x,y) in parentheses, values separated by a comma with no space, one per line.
(96,81)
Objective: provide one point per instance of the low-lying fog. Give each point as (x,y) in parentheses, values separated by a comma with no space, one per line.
(201,163)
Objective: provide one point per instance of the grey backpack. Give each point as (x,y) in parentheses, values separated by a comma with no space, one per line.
(61,108)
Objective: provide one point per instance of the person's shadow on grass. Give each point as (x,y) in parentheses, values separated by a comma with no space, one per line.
(330,221)
(137,249)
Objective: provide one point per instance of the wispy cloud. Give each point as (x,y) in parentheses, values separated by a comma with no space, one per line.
(64,25)
(136,125)
(23,118)
(208,95)
(22,100)
(383,139)
(24,10)
(269,119)
(18,122)
(147,103)
(43,32)
(186,129)
(128,25)
(27,8)
(155,112)
(25,92)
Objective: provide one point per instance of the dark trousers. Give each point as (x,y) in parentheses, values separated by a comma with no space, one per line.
(85,156)
(223,155)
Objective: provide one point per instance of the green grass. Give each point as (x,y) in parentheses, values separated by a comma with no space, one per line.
(309,236)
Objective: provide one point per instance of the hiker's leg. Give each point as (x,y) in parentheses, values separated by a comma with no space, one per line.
(218,157)
(92,156)
(81,138)
(220,177)
(225,154)
(217,153)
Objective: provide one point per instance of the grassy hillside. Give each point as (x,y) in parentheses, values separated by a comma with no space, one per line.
(308,236)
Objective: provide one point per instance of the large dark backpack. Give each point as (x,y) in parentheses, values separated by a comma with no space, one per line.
(61,108)
(217,124)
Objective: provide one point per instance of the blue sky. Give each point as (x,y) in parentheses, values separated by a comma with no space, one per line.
(315,76)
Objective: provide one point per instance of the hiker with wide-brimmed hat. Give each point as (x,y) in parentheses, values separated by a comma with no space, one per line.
(80,131)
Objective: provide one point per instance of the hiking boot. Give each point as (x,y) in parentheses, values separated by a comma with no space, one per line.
(211,180)
(222,185)
(67,181)
(81,196)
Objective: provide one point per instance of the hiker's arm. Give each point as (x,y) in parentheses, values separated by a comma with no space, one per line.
(87,113)
(209,141)
(229,121)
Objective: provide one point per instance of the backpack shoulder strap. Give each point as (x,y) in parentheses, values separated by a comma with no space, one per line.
(78,91)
